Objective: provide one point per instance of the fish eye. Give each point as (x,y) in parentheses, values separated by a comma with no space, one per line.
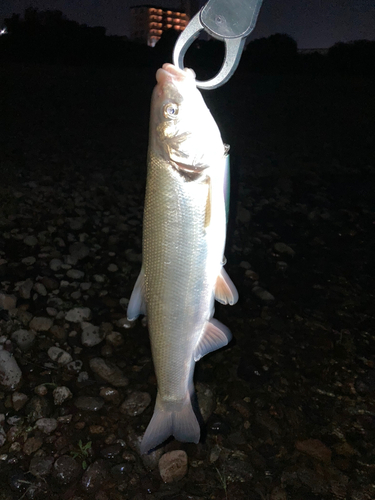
(170,110)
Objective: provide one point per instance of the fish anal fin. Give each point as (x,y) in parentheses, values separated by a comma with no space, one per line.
(137,302)
(215,336)
(225,291)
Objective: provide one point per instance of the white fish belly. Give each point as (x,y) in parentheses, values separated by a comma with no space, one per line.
(183,243)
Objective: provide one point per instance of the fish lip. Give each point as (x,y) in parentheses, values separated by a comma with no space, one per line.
(169,72)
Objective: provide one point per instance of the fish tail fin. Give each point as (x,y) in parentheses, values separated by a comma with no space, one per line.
(180,422)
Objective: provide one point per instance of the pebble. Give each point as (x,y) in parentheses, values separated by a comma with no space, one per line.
(40,289)
(28,261)
(111,395)
(173,466)
(111,451)
(7,301)
(75,366)
(99,278)
(121,471)
(78,314)
(262,294)
(79,250)
(10,372)
(19,399)
(60,356)
(284,249)
(91,335)
(55,264)
(243,215)
(135,403)
(115,339)
(32,445)
(315,448)
(46,425)
(25,288)
(61,394)
(75,274)
(31,241)
(112,268)
(89,403)
(3,437)
(108,372)
(66,469)
(41,466)
(38,407)
(94,476)
(206,400)
(24,339)
(41,324)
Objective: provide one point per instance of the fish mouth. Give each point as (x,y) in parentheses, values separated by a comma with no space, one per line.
(168,72)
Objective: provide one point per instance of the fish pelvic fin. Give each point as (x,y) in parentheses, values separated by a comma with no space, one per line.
(225,291)
(166,421)
(215,336)
(137,302)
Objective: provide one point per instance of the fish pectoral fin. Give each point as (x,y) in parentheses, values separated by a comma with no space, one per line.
(137,302)
(225,291)
(181,423)
(215,336)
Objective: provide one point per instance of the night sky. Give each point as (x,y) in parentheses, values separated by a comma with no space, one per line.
(312,23)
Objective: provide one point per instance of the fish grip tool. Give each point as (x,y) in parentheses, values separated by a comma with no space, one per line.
(230,21)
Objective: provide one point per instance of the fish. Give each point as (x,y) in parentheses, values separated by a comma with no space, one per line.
(184,232)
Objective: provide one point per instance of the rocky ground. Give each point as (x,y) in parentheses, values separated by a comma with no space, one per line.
(289,404)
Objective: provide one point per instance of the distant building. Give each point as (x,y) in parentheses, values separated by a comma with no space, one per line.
(148,22)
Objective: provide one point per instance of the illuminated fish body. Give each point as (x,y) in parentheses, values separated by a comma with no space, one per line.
(184,231)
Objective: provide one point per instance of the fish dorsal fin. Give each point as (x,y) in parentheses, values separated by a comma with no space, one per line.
(137,302)
(215,335)
(225,291)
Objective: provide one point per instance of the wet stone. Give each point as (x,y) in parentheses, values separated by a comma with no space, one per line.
(41,466)
(135,403)
(78,314)
(111,451)
(75,274)
(111,395)
(315,448)
(32,445)
(25,288)
(61,394)
(40,289)
(46,425)
(115,339)
(206,400)
(121,471)
(41,324)
(79,251)
(19,400)
(94,476)
(7,302)
(24,339)
(60,356)
(10,372)
(55,264)
(173,466)
(91,335)
(37,408)
(108,372)
(89,403)
(262,294)
(31,241)
(282,248)
(66,469)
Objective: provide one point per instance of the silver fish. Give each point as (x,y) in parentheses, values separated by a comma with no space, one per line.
(184,231)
